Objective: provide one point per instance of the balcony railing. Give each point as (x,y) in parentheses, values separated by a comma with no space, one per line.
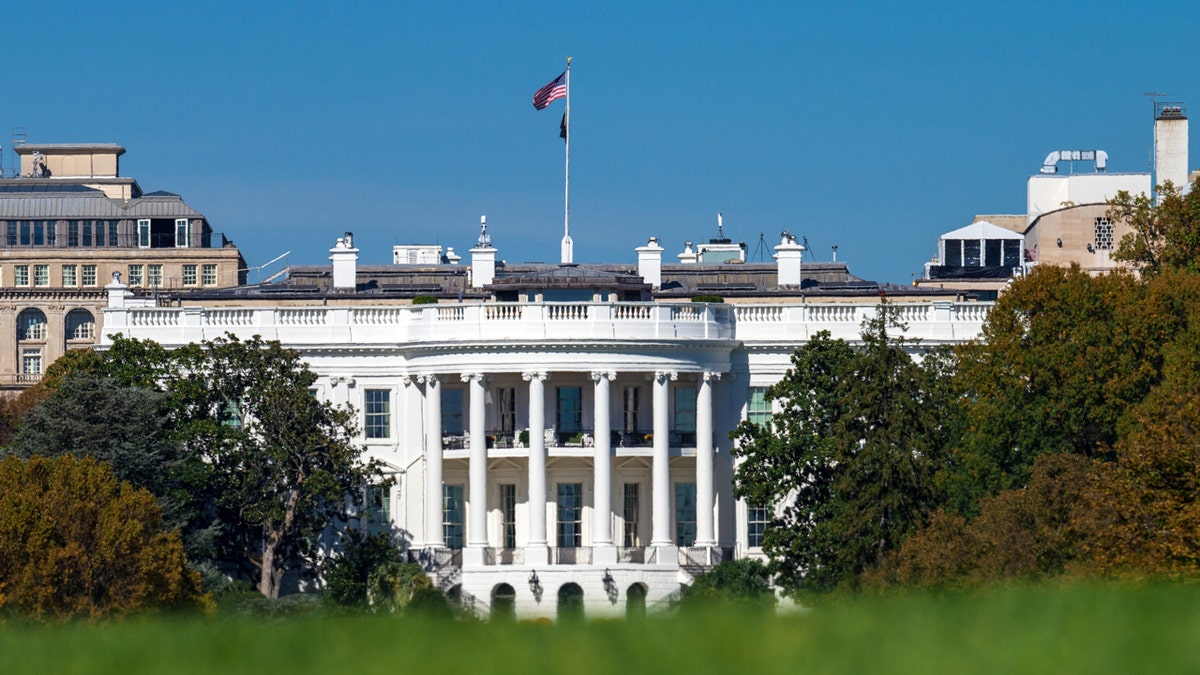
(504,556)
(635,554)
(581,555)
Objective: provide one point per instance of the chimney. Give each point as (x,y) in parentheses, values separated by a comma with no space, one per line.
(345,259)
(788,254)
(483,258)
(650,262)
(1170,144)
(688,257)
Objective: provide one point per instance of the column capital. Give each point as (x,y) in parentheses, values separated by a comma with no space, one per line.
(711,376)
(429,379)
(406,380)
(662,375)
(597,375)
(530,375)
(467,377)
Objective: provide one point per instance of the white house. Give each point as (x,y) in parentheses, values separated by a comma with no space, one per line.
(559,434)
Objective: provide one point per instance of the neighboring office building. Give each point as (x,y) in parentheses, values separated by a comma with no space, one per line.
(559,434)
(68,223)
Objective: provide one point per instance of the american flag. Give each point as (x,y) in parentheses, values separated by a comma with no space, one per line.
(551,92)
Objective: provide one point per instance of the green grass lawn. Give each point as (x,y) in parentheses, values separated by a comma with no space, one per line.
(1042,629)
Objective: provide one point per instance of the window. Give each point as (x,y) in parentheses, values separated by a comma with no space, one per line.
(31,325)
(21,275)
(231,415)
(377,512)
(452,411)
(759,409)
(452,515)
(1012,252)
(1104,233)
(189,275)
(377,406)
(26,232)
(39,232)
(11,234)
(70,275)
(685,514)
(632,539)
(143,233)
(685,415)
(508,514)
(507,408)
(135,275)
(41,275)
(757,518)
(971,253)
(629,418)
(209,275)
(183,232)
(73,234)
(154,275)
(114,234)
(570,515)
(89,275)
(569,415)
(31,362)
(81,325)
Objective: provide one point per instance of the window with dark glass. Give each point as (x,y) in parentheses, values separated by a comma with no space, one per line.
(508,514)
(452,411)
(377,406)
(452,515)
(685,514)
(570,515)
(569,412)
(631,508)
(757,518)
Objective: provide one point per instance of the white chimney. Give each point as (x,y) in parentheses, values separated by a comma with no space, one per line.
(483,258)
(688,257)
(788,255)
(345,260)
(650,262)
(1171,145)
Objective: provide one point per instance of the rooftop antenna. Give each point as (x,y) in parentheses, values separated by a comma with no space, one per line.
(835,253)
(720,226)
(808,249)
(760,247)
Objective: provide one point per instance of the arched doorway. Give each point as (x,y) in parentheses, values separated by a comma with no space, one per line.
(504,602)
(570,602)
(635,601)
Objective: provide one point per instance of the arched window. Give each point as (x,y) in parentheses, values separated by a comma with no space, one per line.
(504,602)
(81,325)
(635,601)
(31,325)
(570,602)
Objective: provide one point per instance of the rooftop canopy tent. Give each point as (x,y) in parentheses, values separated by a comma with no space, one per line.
(979,250)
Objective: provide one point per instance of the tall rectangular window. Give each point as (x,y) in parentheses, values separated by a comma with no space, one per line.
(31,362)
(569,412)
(69,275)
(757,518)
(685,514)
(685,415)
(570,515)
(508,514)
(506,400)
(114,234)
(39,233)
(452,411)
(189,275)
(208,275)
(41,275)
(89,275)
(10,237)
(377,512)
(377,404)
(73,228)
(183,231)
(759,409)
(632,507)
(143,233)
(452,515)
(26,232)
(154,275)
(135,275)
(21,275)
(632,409)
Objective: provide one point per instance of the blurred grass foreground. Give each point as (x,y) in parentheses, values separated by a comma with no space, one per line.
(1027,629)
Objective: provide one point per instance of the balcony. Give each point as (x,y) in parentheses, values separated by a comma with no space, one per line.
(581,555)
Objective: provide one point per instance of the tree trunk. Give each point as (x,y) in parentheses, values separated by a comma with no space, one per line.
(267,583)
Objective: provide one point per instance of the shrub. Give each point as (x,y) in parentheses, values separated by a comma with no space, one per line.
(79,543)
(745,582)
(346,575)
(708,297)
(424,300)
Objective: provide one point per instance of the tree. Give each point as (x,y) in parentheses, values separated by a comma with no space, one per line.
(348,573)
(78,542)
(849,462)
(1165,235)
(745,582)
(284,464)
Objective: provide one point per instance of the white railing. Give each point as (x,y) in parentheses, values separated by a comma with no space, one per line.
(930,322)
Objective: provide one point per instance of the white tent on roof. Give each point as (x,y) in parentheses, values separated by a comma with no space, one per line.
(981,244)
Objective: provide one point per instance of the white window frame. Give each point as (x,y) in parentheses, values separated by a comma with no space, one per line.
(190,274)
(143,233)
(183,226)
(41,276)
(88,271)
(20,275)
(70,275)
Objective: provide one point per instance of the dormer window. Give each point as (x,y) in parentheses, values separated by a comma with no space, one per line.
(143,232)
(183,232)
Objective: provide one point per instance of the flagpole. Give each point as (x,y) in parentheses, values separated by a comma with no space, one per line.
(568,252)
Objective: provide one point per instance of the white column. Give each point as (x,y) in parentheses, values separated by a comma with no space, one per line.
(536,550)
(477,474)
(705,533)
(603,551)
(660,517)
(434,536)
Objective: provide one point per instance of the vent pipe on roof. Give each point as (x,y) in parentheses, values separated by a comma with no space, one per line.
(1050,164)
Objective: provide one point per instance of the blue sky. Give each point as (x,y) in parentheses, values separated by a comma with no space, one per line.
(872,126)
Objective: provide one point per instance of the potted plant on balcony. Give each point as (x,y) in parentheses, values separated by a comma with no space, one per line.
(523,438)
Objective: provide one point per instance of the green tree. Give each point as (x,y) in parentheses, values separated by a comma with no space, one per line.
(78,542)
(347,574)
(849,464)
(1164,236)
(745,582)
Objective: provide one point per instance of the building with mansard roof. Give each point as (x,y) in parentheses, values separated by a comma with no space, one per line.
(559,434)
(69,222)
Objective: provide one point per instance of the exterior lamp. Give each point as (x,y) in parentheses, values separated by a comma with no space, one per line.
(608,580)
(535,584)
